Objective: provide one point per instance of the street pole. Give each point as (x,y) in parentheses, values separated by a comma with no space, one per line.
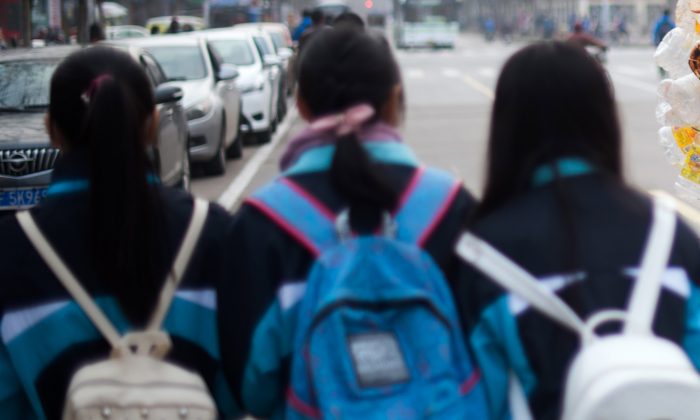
(27,23)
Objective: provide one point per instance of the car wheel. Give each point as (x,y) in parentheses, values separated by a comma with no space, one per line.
(186,177)
(235,150)
(217,164)
(264,136)
(282,109)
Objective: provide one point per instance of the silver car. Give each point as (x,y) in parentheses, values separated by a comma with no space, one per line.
(211,99)
(257,80)
(26,156)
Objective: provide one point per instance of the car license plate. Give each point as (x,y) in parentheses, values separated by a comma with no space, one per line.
(21,198)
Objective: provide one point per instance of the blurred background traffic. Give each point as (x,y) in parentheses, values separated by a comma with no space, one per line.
(60,21)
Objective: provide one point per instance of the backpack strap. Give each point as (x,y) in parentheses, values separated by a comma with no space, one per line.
(424,203)
(76,290)
(645,296)
(67,278)
(298,213)
(515,279)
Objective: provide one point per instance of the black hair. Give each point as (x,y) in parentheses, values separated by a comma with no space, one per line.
(667,12)
(342,68)
(552,100)
(317,17)
(101,103)
(306,13)
(349,20)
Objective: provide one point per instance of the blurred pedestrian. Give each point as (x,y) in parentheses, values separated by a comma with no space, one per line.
(662,26)
(350,156)
(118,229)
(303,25)
(558,205)
(3,44)
(318,24)
(585,40)
(97,34)
(174,27)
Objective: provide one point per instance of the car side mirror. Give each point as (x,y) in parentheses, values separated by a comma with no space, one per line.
(270,60)
(285,53)
(228,72)
(167,94)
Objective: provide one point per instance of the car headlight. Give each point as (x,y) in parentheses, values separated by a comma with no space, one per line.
(199,110)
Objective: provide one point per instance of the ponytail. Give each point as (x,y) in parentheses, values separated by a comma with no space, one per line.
(359,181)
(102,102)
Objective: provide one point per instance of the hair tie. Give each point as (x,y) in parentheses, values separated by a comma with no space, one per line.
(94,86)
(346,122)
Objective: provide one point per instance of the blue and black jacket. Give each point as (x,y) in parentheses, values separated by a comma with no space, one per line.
(585,245)
(272,267)
(45,336)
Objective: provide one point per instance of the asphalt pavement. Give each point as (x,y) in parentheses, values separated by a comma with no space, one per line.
(449,95)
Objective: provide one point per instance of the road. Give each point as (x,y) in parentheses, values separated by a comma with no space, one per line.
(449,95)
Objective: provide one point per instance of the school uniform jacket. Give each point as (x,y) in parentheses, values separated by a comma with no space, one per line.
(45,336)
(271,270)
(591,266)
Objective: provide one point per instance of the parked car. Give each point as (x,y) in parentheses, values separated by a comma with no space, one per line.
(126,31)
(257,81)
(212,101)
(266,48)
(26,155)
(284,48)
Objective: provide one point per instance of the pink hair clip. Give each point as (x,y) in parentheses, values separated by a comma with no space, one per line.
(346,122)
(94,86)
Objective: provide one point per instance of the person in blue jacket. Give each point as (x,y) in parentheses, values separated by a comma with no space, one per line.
(556,203)
(118,230)
(662,26)
(303,25)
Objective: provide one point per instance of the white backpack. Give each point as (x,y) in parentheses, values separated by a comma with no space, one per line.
(135,382)
(633,375)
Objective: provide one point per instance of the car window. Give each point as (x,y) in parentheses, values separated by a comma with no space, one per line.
(180,62)
(153,69)
(262,46)
(236,52)
(278,40)
(25,84)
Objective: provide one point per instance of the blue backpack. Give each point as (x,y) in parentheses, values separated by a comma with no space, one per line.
(377,334)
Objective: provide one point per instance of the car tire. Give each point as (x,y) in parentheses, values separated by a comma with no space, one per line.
(264,137)
(217,164)
(186,177)
(235,150)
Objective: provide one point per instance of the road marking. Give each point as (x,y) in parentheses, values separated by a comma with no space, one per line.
(450,72)
(415,74)
(478,86)
(630,71)
(239,184)
(488,72)
(634,83)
